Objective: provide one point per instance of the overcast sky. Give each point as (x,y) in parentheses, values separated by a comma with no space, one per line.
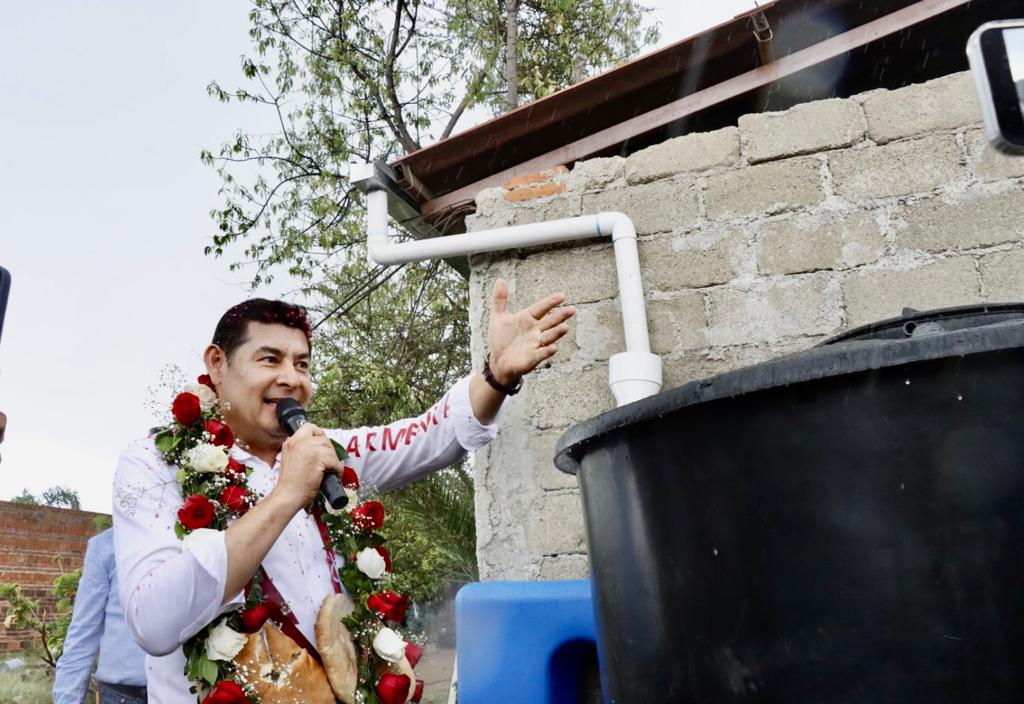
(104,215)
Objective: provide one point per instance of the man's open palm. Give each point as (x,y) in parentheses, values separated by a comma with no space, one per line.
(518,342)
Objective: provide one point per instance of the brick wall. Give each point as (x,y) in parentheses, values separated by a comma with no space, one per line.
(30,538)
(755,241)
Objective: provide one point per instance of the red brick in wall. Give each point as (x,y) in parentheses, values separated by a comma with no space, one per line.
(30,538)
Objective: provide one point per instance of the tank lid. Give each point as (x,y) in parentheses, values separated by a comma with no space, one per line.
(913,337)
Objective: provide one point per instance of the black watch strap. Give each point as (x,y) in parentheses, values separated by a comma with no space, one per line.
(497,385)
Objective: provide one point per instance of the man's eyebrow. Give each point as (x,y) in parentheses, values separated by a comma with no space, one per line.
(266,349)
(271,350)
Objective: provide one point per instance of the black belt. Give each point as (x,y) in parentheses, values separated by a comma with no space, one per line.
(128,690)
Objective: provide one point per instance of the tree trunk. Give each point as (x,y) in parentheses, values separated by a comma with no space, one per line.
(512,54)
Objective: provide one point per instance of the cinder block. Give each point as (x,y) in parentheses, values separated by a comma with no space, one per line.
(583,275)
(764,188)
(566,205)
(492,200)
(674,321)
(693,152)
(917,166)
(662,206)
(942,104)
(677,322)
(540,454)
(831,241)
(1003,275)
(964,221)
(988,164)
(555,526)
(878,294)
(766,311)
(564,567)
(559,397)
(803,129)
(596,173)
(693,260)
(599,332)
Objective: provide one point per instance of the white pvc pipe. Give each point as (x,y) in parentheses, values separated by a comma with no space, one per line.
(633,374)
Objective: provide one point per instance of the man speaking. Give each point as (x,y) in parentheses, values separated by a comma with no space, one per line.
(259,355)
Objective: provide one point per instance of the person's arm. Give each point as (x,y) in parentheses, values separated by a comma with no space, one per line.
(153,571)
(305,457)
(208,578)
(83,637)
(389,456)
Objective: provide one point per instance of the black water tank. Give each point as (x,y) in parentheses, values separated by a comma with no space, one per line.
(843,525)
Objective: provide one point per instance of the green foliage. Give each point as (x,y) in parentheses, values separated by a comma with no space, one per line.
(363,80)
(29,685)
(432,534)
(23,614)
(57,496)
(101,523)
(61,497)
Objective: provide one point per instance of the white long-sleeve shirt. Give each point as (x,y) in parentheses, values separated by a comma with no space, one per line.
(169,595)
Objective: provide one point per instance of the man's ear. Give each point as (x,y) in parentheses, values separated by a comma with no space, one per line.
(215,360)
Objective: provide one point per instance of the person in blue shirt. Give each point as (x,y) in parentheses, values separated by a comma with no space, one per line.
(97,622)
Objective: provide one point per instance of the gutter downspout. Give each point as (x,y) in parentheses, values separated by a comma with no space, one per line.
(633,374)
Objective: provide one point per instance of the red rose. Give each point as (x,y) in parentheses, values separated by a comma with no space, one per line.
(196,512)
(383,552)
(390,605)
(253,618)
(235,470)
(234,497)
(186,408)
(349,478)
(227,692)
(418,694)
(221,433)
(393,689)
(206,381)
(368,516)
(413,653)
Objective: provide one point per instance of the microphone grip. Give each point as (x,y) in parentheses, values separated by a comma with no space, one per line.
(333,491)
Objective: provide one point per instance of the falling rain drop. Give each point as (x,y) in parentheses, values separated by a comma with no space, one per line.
(714,552)
(907,382)
(959,397)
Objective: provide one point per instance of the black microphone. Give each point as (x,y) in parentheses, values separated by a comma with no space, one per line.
(292,416)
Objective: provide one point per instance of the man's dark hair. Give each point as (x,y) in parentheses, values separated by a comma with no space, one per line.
(233,329)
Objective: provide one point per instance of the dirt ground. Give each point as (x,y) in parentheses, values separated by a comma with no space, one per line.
(435,669)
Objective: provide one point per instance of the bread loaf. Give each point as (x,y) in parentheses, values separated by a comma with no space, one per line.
(280,670)
(334,642)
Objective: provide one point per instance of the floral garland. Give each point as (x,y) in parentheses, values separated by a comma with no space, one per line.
(216,491)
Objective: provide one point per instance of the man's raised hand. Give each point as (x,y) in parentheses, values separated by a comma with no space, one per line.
(518,342)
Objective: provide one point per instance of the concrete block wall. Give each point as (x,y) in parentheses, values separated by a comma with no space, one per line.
(37,544)
(755,241)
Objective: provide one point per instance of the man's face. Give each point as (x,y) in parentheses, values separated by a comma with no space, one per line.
(272,364)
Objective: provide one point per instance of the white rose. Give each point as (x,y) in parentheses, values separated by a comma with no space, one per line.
(371,563)
(207,396)
(205,457)
(388,645)
(223,642)
(195,537)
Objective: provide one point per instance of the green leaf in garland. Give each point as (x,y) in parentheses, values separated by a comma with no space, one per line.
(179,530)
(342,455)
(166,441)
(208,670)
